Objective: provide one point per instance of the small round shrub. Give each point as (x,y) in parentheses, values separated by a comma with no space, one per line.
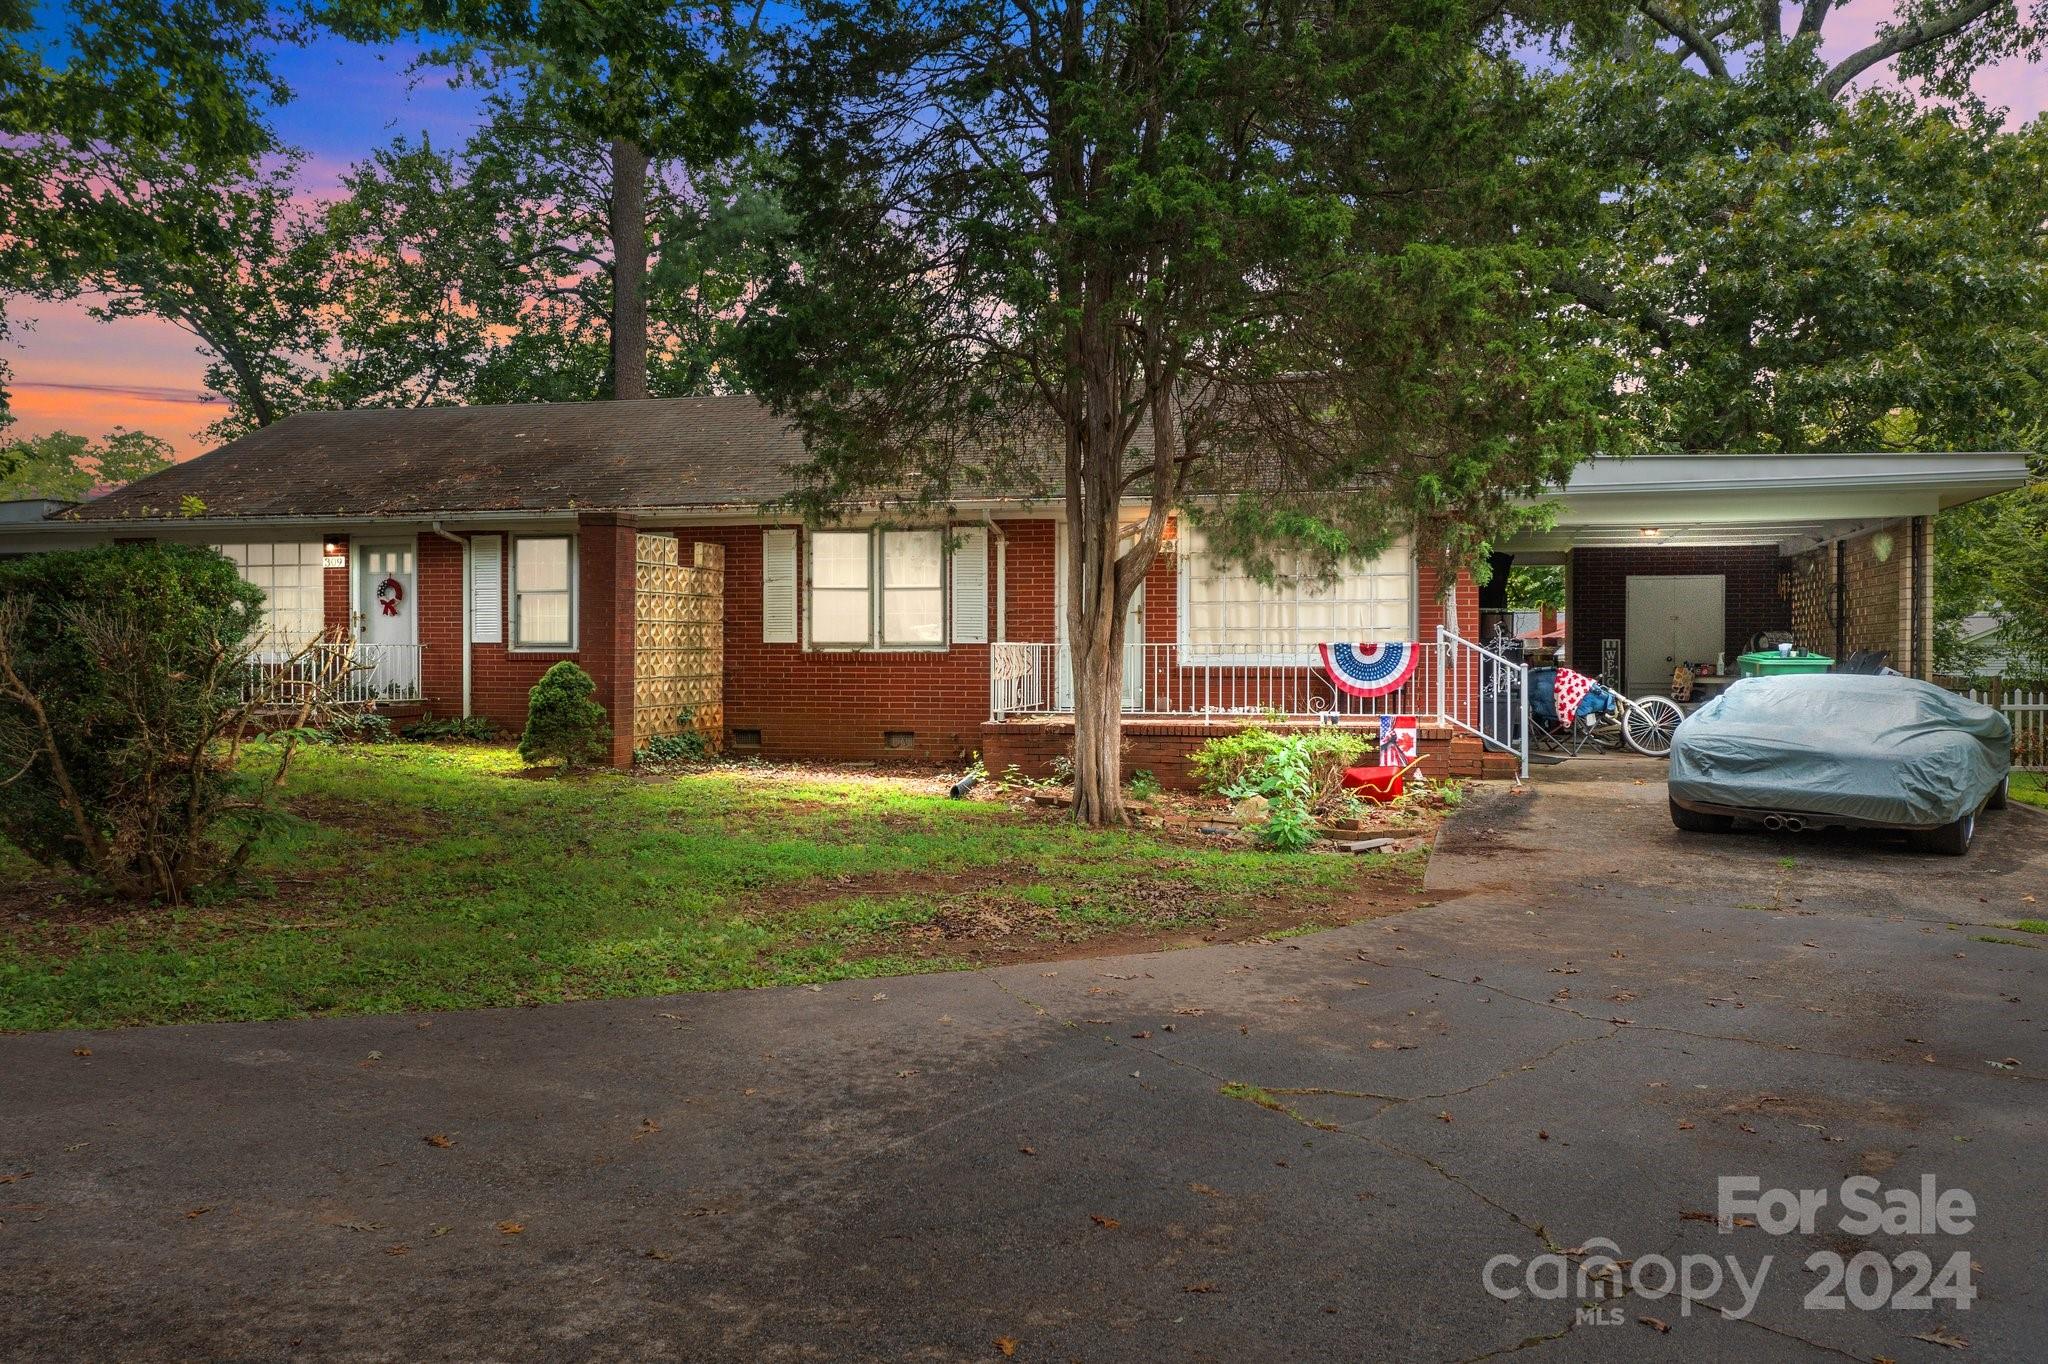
(563,723)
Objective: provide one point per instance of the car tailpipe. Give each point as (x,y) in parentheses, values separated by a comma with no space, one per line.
(1790,824)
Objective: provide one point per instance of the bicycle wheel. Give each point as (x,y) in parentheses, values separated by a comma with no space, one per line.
(1648,725)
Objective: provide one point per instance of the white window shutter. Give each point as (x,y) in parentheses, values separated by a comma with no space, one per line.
(778,587)
(486,588)
(970,585)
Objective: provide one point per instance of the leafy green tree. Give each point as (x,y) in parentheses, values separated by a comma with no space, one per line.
(1991,558)
(615,89)
(484,275)
(141,172)
(1789,264)
(1161,251)
(68,467)
(126,695)
(1534,587)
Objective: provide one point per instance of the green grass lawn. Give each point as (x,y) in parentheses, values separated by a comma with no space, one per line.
(414,877)
(2030,788)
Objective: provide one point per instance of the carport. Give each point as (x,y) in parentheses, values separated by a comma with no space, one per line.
(1693,558)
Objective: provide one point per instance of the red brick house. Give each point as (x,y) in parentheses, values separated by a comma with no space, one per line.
(462,551)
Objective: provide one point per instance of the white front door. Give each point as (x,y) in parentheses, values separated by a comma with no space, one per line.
(387,618)
(1672,620)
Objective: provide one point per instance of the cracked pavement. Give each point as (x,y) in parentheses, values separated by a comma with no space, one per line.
(1598,1018)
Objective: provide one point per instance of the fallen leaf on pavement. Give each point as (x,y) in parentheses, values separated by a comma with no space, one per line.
(401,1248)
(1204,1287)
(81,1051)
(648,1127)
(1684,1126)
(1027,1150)
(1205,1191)
(1940,1337)
(1108,1223)
(198,1212)
(511,1228)
(660,1255)
(439,1139)
(1006,1346)
(1444,1115)
(1660,1327)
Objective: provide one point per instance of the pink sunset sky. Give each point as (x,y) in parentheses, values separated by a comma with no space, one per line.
(74,373)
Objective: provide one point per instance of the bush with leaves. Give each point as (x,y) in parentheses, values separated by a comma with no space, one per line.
(1298,774)
(563,723)
(690,746)
(1255,761)
(128,687)
(427,728)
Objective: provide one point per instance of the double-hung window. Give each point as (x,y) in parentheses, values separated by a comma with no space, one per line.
(1228,616)
(877,589)
(544,592)
(842,600)
(913,588)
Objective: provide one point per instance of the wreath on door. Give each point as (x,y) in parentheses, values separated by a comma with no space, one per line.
(390,593)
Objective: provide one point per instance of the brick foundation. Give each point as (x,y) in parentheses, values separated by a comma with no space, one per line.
(1164,747)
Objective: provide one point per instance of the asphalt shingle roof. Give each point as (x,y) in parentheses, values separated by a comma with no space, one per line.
(655,452)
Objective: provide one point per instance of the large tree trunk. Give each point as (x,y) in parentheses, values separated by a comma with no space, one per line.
(628,224)
(1098,717)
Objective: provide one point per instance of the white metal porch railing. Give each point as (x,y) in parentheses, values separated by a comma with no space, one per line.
(359,673)
(1456,682)
(1484,693)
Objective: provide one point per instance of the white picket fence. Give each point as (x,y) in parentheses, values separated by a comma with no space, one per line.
(2027,709)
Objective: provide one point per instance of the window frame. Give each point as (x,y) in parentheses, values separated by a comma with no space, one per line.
(877,592)
(1200,655)
(515,642)
(309,602)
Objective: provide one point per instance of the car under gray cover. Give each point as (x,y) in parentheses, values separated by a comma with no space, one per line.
(1877,751)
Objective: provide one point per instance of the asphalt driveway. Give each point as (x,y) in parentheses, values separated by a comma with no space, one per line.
(1307,1149)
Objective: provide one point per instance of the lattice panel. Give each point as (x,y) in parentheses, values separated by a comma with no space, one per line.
(679,639)
(1878,595)
(1812,588)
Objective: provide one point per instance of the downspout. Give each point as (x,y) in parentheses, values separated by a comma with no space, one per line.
(1002,579)
(462,616)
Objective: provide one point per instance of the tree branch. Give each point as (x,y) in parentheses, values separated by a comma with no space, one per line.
(1902,40)
(1696,42)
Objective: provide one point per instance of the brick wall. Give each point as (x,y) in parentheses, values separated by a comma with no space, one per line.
(1599,603)
(1882,607)
(337,602)
(841,704)
(815,704)
(500,678)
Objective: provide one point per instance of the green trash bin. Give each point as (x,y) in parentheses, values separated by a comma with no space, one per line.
(1771,663)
